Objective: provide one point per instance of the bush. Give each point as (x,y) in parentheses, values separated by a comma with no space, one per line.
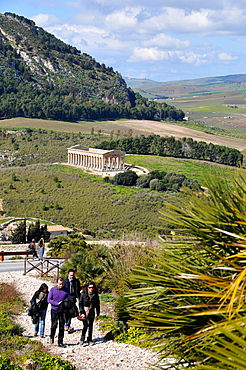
(5,364)
(154,183)
(55,363)
(127,178)
(143,182)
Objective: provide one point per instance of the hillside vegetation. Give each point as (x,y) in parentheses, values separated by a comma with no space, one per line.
(31,186)
(43,77)
(69,196)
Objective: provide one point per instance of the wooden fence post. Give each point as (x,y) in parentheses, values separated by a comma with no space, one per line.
(2,256)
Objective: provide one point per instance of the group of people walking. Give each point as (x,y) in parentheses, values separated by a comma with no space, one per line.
(63,299)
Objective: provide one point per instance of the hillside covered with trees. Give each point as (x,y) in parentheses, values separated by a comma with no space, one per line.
(42,77)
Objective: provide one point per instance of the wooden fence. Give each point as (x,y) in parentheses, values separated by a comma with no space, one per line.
(14,253)
(44,266)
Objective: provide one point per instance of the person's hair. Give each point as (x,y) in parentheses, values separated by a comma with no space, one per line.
(71,270)
(94,285)
(59,279)
(42,287)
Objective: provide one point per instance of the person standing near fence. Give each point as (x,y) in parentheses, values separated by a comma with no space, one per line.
(73,285)
(38,309)
(56,296)
(41,245)
(32,248)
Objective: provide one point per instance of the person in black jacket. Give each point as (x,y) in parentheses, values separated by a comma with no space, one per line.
(73,285)
(88,303)
(38,309)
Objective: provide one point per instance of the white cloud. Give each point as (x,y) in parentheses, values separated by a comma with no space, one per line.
(154,55)
(167,41)
(227,57)
(125,18)
(193,58)
(228,19)
(149,54)
(178,20)
(45,20)
(81,36)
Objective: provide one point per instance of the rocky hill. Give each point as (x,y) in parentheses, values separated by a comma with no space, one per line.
(42,77)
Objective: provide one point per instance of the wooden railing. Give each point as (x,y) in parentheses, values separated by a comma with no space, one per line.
(15,253)
(44,266)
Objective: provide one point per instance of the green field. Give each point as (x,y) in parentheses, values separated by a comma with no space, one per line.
(194,169)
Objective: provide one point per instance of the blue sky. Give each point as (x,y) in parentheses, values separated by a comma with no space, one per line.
(162,40)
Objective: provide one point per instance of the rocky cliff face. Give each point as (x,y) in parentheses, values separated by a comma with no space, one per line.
(32,55)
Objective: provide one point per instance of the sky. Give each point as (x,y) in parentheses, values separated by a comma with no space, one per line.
(161,40)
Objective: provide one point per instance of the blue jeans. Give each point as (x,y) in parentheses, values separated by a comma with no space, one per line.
(41,252)
(42,323)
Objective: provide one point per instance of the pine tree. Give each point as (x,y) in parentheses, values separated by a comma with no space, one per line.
(19,234)
(45,233)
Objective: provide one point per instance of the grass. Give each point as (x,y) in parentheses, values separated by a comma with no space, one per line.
(194,169)
(82,201)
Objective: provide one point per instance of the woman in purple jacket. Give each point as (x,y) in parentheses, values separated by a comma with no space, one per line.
(56,295)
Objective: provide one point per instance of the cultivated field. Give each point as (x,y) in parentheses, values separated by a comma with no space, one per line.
(127,127)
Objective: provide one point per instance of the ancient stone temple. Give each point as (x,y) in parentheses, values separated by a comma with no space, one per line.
(96,159)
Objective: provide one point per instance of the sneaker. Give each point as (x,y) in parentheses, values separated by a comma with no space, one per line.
(51,340)
(81,342)
(62,345)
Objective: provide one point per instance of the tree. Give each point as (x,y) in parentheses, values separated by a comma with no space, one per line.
(127,178)
(19,234)
(44,231)
(34,232)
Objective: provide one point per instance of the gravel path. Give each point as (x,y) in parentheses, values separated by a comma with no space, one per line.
(103,355)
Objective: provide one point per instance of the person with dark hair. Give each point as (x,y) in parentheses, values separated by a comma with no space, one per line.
(73,285)
(38,309)
(56,296)
(88,303)
(32,248)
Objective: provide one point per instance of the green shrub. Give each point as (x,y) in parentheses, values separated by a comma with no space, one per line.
(55,363)
(132,336)
(127,178)
(6,364)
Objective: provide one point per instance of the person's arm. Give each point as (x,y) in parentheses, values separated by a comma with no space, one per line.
(98,306)
(78,288)
(81,305)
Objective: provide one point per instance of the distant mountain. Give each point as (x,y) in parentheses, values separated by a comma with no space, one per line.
(42,77)
(201,86)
